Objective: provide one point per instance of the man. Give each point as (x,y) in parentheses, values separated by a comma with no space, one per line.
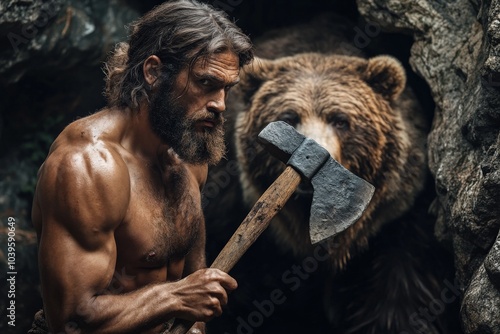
(117,207)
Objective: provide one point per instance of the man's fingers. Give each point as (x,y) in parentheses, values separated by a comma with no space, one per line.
(229,283)
(226,281)
(209,289)
(217,307)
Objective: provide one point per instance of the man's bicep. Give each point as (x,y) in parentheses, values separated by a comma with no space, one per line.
(72,274)
(66,252)
(82,201)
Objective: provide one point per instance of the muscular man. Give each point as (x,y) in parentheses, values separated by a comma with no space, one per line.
(117,207)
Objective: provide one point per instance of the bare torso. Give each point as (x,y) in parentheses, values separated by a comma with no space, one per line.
(162,219)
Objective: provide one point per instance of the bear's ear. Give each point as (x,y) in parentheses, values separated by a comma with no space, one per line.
(254,75)
(386,76)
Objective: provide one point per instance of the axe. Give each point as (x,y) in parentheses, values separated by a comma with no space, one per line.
(339,197)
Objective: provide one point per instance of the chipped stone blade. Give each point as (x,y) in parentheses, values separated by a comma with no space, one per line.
(339,200)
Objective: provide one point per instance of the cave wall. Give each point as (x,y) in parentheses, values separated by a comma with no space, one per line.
(51,54)
(456,50)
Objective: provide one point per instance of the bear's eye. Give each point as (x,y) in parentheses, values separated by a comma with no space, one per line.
(290,117)
(339,121)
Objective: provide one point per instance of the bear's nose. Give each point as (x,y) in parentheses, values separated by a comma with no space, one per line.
(323,134)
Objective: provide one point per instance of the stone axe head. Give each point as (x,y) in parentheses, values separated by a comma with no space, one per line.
(339,196)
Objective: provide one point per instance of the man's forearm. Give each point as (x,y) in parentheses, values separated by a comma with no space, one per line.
(132,312)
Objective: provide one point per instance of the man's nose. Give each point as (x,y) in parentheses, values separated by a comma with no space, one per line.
(217,102)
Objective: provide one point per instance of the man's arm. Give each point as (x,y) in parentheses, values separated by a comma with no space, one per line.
(83,198)
(196,258)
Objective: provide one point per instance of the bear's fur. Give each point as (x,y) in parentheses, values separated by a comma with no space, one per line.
(361,111)
(354,108)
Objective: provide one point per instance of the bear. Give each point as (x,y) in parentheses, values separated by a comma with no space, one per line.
(382,274)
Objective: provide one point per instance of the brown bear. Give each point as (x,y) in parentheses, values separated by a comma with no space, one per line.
(362,112)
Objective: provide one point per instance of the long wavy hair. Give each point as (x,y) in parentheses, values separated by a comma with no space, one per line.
(179,33)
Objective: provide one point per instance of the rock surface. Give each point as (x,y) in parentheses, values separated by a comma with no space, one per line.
(456,50)
(49,31)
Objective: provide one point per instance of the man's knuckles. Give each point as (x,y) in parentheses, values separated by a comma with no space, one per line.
(215,290)
(214,309)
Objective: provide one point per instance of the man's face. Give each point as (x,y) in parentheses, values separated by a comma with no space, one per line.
(187,115)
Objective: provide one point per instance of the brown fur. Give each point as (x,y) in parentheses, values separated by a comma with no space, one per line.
(383,141)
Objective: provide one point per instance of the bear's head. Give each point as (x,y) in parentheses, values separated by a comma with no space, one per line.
(352,106)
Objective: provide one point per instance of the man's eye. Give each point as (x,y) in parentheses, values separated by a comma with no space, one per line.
(205,82)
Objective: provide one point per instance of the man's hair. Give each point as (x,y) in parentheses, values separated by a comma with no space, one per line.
(178,32)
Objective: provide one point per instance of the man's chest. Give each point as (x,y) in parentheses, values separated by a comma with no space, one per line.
(163,220)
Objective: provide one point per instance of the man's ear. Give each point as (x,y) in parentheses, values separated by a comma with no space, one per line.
(254,75)
(151,69)
(386,76)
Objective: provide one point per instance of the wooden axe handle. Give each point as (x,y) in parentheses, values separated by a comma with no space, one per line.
(257,220)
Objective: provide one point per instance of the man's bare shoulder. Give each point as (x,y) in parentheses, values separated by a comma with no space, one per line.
(84,174)
(99,126)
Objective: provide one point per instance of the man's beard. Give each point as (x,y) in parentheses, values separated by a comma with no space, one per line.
(169,121)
